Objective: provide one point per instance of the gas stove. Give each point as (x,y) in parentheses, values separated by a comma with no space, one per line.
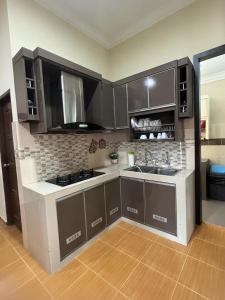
(74,177)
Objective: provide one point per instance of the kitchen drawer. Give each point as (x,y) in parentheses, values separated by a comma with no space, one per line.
(113,202)
(71,223)
(132,194)
(160,209)
(95,210)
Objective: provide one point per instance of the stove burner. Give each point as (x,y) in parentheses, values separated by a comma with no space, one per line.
(74,177)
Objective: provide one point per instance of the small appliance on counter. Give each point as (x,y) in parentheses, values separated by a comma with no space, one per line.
(74,177)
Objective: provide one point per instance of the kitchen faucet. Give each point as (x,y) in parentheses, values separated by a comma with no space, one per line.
(153,161)
(167,159)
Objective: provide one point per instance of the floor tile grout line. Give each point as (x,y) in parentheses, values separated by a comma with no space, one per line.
(73,283)
(188,288)
(178,278)
(209,242)
(123,252)
(182,268)
(203,262)
(140,260)
(9,264)
(134,269)
(115,248)
(178,282)
(139,235)
(154,241)
(107,252)
(32,271)
(100,276)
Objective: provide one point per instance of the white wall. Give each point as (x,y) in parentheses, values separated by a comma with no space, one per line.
(32,26)
(5,80)
(216,92)
(196,28)
(5,52)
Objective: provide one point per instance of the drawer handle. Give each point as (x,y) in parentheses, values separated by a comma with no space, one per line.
(132,210)
(73,237)
(96,222)
(159,218)
(114,210)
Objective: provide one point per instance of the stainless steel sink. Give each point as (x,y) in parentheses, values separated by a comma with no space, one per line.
(153,170)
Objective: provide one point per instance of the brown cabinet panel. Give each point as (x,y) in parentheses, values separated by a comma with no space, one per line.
(137,94)
(113,202)
(71,223)
(162,88)
(108,121)
(132,194)
(121,109)
(161,206)
(95,210)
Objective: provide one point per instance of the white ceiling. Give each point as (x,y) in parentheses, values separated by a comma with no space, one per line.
(110,22)
(213,69)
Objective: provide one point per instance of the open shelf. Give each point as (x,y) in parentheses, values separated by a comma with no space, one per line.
(156,127)
(31,90)
(185,90)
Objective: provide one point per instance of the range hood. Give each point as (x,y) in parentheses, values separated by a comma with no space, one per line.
(74,115)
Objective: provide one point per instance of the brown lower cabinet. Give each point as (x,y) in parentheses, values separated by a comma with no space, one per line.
(150,203)
(132,193)
(160,209)
(95,210)
(113,201)
(71,223)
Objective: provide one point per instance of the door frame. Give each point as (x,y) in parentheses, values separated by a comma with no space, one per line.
(4,98)
(197,110)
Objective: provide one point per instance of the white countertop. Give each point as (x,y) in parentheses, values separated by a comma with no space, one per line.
(44,188)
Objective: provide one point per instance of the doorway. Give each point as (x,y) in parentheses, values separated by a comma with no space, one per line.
(209,174)
(8,162)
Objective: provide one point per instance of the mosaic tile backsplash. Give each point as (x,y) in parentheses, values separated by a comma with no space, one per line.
(158,149)
(61,154)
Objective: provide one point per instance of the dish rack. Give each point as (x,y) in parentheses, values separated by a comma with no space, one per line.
(156,128)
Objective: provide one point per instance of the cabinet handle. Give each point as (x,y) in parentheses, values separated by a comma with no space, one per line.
(159,218)
(113,211)
(132,210)
(96,222)
(73,237)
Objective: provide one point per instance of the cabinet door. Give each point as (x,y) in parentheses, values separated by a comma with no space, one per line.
(138,94)
(132,199)
(161,206)
(107,106)
(113,203)
(95,210)
(162,88)
(94,110)
(71,223)
(120,100)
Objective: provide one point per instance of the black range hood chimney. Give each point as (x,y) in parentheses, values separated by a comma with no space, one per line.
(73,106)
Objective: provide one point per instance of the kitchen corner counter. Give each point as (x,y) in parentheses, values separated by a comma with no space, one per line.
(46,189)
(41,221)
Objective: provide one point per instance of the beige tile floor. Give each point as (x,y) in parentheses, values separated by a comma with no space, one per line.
(126,262)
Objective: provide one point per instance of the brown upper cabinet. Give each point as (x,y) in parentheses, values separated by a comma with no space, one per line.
(25,86)
(155,91)
(108,116)
(120,103)
(39,93)
(162,89)
(138,98)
